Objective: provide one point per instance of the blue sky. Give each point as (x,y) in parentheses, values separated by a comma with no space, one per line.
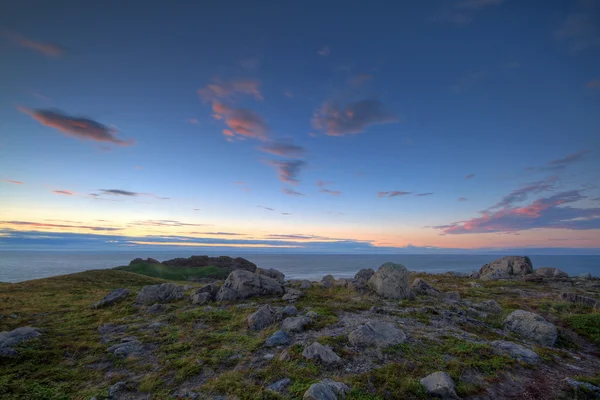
(465,124)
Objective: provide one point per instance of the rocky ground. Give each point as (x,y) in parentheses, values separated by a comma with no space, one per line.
(506,332)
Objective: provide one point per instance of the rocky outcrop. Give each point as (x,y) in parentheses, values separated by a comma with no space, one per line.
(391,281)
(204,294)
(113,297)
(163,293)
(305,284)
(364,274)
(228,263)
(579,299)
(9,339)
(263,317)
(420,287)
(279,338)
(271,273)
(327,281)
(142,261)
(506,267)
(318,352)
(327,390)
(377,334)
(242,284)
(516,351)
(292,295)
(440,385)
(551,273)
(532,327)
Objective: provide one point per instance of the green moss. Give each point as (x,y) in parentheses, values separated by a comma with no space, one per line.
(175,273)
(587,325)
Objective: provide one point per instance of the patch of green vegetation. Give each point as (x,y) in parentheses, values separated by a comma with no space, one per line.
(392,381)
(175,273)
(587,325)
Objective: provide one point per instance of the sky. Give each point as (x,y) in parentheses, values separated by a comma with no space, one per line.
(300,126)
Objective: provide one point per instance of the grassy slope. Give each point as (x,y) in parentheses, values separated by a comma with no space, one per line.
(56,366)
(175,273)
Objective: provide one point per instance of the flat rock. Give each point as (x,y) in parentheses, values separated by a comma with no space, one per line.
(579,299)
(156,309)
(295,324)
(242,284)
(292,295)
(551,273)
(280,385)
(490,306)
(263,317)
(305,284)
(421,287)
(113,297)
(391,281)
(16,336)
(289,311)
(126,348)
(378,334)
(327,390)
(163,293)
(532,327)
(516,351)
(318,352)
(279,338)
(271,273)
(439,384)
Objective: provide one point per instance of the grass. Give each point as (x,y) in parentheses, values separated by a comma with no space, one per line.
(175,273)
(587,325)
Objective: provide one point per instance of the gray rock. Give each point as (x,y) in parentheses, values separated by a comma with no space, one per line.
(280,385)
(579,299)
(156,309)
(312,315)
(391,281)
(16,336)
(279,338)
(318,352)
(341,283)
(292,295)
(295,324)
(327,281)
(327,390)
(112,297)
(7,352)
(490,306)
(201,298)
(474,275)
(378,334)
(551,273)
(531,327)
(271,273)
(420,287)
(585,275)
(516,351)
(289,311)
(211,288)
(284,356)
(117,388)
(439,384)
(364,274)
(156,326)
(475,285)
(585,385)
(263,317)
(241,284)
(451,296)
(305,284)
(163,293)
(125,349)
(506,267)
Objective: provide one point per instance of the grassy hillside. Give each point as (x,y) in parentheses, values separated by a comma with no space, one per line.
(175,273)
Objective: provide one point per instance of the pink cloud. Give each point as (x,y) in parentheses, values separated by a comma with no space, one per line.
(323,188)
(593,84)
(360,79)
(324,51)
(286,149)
(13,182)
(241,121)
(288,171)
(48,49)
(64,192)
(194,121)
(462,199)
(229,90)
(351,118)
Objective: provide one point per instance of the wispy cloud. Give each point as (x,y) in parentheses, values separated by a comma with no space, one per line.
(291,192)
(470,176)
(580,30)
(241,121)
(394,193)
(77,127)
(250,63)
(127,193)
(266,208)
(220,233)
(324,51)
(324,188)
(593,84)
(229,90)
(571,158)
(194,121)
(424,194)
(45,225)
(286,149)
(64,192)
(48,49)
(461,199)
(13,182)
(336,120)
(164,223)
(463,12)
(360,79)
(521,194)
(288,171)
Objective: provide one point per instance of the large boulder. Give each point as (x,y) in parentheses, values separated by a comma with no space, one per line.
(364,274)
(241,284)
(551,273)
(318,352)
(9,339)
(391,281)
(421,287)
(271,273)
(532,327)
(506,267)
(326,390)
(327,281)
(439,384)
(263,317)
(201,298)
(378,334)
(163,293)
(516,351)
(111,298)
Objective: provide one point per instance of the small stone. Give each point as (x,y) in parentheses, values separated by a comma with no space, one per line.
(125,349)
(288,311)
(587,386)
(163,293)
(269,356)
(201,298)
(284,356)
(439,384)
(305,284)
(295,324)
(516,351)
(420,287)
(327,390)
(292,295)
(378,334)
(156,309)
(312,314)
(263,317)
(280,385)
(271,273)
(113,297)
(451,296)
(279,338)
(318,352)
(491,306)
(475,285)
(117,388)
(364,274)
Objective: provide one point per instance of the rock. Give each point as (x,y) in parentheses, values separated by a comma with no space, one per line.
(532,278)
(494,276)
(295,324)
(532,327)
(271,273)
(284,356)
(474,275)
(585,275)
(327,390)
(585,385)
(112,297)
(516,351)
(551,273)
(241,284)
(211,288)
(279,338)
(201,298)
(305,284)
(263,317)
(125,348)
(475,285)
(142,261)
(506,267)
(318,352)
(280,385)
(491,306)
(327,281)
(156,309)
(391,281)
(376,333)
(341,283)
(117,388)
(163,293)
(579,299)
(289,311)
(9,339)
(451,296)
(231,264)
(292,295)
(364,274)
(439,384)
(312,315)
(420,287)
(156,326)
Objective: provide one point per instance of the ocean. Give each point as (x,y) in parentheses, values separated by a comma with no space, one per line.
(17,266)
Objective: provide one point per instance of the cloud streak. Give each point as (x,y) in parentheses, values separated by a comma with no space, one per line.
(241,121)
(44,225)
(352,118)
(395,193)
(323,188)
(230,90)
(13,182)
(291,192)
(288,171)
(76,127)
(283,149)
(64,192)
(47,49)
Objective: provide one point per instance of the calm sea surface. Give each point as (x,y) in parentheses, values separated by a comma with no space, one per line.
(16,266)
